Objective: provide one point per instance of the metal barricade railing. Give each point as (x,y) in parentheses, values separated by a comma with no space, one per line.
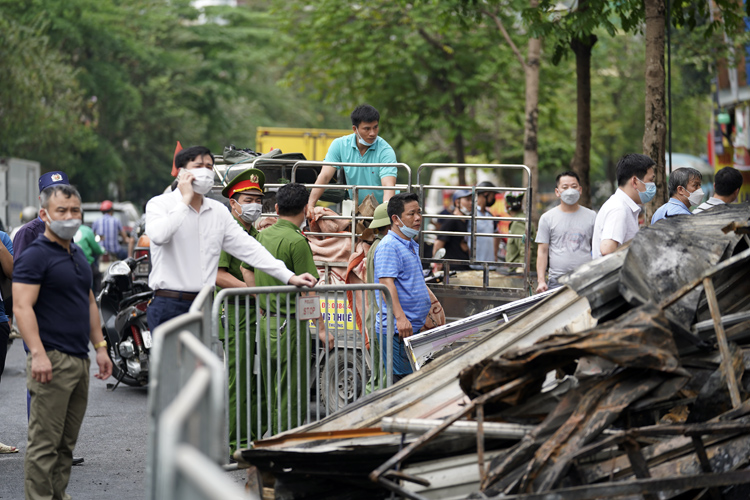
(202,304)
(280,363)
(355,189)
(184,430)
(473,218)
(421,189)
(186,407)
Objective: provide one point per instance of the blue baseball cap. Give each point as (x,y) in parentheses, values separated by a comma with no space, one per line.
(461,193)
(52,178)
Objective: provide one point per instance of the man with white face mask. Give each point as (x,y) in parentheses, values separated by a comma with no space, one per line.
(617,220)
(360,148)
(565,233)
(58,317)
(188,232)
(684,191)
(245,193)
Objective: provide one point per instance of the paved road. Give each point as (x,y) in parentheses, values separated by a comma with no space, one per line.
(112,440)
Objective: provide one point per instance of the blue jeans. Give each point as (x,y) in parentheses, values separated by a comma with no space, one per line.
(162,309)
(401,365)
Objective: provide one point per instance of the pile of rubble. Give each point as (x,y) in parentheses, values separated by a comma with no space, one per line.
(627,383)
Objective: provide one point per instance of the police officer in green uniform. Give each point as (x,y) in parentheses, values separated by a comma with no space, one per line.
(286,397)
(245,193)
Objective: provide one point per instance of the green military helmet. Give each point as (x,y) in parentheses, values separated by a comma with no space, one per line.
(380,216)
(251,179)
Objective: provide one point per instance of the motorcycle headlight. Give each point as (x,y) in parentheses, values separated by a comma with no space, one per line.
(119,268)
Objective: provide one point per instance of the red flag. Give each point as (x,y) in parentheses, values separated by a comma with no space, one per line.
(177,149)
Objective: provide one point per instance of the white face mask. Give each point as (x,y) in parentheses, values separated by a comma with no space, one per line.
(204,180)
(250,212)
(362,141)
(570,196)
(696,197)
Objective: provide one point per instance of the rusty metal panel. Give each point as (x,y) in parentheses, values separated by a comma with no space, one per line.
(675,251)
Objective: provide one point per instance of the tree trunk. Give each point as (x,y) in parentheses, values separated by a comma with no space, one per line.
(530,66)
(531,128)
(458,142)
(581,163)
(655,130)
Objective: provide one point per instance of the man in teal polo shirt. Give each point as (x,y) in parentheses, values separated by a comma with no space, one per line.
(362,147)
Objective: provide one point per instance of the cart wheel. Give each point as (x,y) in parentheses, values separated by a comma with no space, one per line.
(350,386)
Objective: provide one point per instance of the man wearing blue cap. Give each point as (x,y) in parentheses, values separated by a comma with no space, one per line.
(27,234)
(456,247)
(31,230)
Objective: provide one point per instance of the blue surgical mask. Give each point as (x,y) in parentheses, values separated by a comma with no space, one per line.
(408,232)
(362,141)
(650,192)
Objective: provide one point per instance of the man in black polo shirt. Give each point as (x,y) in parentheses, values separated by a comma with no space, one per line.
(57,315)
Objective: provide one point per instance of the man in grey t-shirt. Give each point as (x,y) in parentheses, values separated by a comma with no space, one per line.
(564,234)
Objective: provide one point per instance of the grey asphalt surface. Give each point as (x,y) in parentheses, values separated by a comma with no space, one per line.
(113,438)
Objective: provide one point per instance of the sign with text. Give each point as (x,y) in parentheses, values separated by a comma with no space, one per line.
(308,308)
(336,314)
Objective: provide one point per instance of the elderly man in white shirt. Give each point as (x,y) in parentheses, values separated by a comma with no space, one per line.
(617,221)
(188,232)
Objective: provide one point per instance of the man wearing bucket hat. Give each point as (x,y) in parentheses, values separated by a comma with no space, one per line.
(245,193)
(455,246)
(380,225)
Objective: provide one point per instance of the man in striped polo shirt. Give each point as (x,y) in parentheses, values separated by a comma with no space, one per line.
(727,184)
(397,266)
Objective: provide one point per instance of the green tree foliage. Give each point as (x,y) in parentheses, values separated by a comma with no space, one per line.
(104,88)
(425,73)
(41,104)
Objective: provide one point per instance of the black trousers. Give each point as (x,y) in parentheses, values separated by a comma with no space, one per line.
(4,334)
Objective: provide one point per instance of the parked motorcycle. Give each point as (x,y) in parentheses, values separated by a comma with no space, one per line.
(122,306)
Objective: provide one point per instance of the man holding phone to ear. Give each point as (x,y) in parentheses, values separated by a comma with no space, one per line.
(188,231)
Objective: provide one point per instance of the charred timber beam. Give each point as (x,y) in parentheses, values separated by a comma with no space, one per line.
(700,451)
(638,463)
(677,295)
(726,356)
(498,392)
(636,487)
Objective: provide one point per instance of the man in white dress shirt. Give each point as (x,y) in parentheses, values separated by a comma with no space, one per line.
(617,220)
(188,232)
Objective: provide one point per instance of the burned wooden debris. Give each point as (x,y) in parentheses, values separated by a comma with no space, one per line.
(643,394)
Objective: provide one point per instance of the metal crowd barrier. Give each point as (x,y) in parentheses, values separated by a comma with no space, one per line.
(186,406)
(324,379)
(355,189)
(421,189)
(473,234)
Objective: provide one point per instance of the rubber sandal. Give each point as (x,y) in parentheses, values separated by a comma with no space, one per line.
(5,449)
